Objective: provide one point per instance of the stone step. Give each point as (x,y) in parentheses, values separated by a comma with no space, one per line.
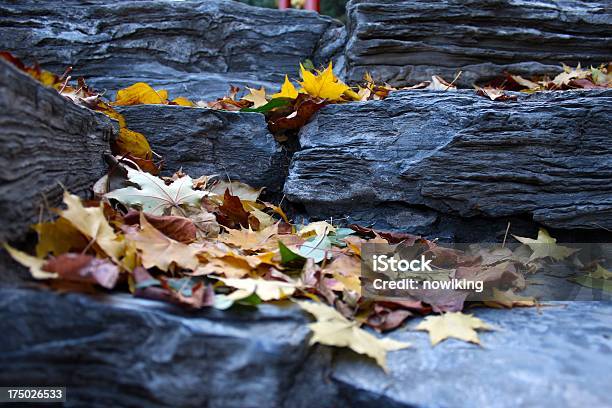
(48,144)
(193,49)
(406,42)
(545,156)
(145,353)
(237,145)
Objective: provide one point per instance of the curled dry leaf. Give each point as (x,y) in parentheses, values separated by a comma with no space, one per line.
(160,251)
(93,224)
(180,229)
(84,268)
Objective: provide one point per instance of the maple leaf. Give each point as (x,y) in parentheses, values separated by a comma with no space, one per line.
(266,289)
(333,329)
(92,223)
(154,196)
(257,96)
(456,325)
(287,90)
(248,239)
(509,299)
(140,93)
(35,265)
(545,246)
(324,85)
(160,251)
(228,265)
(58,237)
(569,74)
(178,228)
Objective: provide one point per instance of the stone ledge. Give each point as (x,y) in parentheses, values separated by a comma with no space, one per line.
(547,156)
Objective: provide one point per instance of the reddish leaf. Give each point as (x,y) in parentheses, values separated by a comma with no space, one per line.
(303,109)
(178,228)
(84,268)
(233,211)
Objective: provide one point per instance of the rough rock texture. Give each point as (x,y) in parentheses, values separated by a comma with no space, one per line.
(121,351)
(406,42)
(128,352)
(47,143)
(555,357)
(547,156)
(192,48)
(205,142)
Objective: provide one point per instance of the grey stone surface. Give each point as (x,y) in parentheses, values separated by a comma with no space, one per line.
(47,143)
(406,42)
(545,156)
(192,48)
(557,356)
(206,142)
(121,351)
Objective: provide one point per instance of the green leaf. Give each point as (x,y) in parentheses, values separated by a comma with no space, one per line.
(316,248)
(337,238)
(274,103)
(288,257)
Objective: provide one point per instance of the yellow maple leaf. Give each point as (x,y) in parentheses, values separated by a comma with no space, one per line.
(266,289)
(257,96)
(456,325)
(160,251)
(333,329)
(287,90)
(324,85)
(251,240)
(58,237)
(545,246)
(31,262)
(140,93)
(509,299)
(91,222)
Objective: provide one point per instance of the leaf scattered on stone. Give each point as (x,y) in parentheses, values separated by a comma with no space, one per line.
(452,325)
(333,329)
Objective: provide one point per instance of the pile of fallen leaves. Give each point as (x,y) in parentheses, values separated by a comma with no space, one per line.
(210,243)
(569,78)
